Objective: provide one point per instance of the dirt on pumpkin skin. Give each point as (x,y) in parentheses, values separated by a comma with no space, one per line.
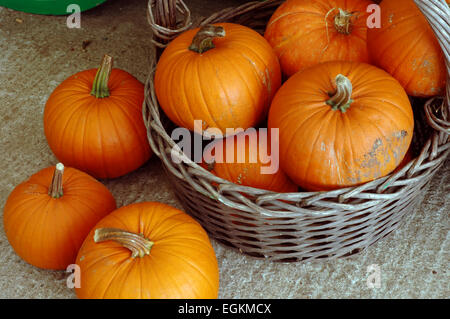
(381,154)
(371,159)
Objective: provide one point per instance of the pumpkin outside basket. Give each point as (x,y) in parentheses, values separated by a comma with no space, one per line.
(305,225)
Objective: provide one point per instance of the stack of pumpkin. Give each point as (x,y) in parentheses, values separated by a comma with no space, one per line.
(335,89)
(333,77)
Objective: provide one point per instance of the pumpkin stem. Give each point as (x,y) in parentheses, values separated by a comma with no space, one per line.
(56,189)
(341,99)
(136,243)
(100,85)
(202,41)
(343,22)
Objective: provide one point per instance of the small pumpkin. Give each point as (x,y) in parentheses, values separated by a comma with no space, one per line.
(304,33)
(341,124)
(47,217)
(147,250)
(223,75)
(247,159)
(93,122)
(406,47)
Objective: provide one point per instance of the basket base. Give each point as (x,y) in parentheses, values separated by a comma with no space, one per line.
(294,245)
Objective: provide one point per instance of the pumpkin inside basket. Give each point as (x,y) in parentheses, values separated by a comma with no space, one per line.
(302,225)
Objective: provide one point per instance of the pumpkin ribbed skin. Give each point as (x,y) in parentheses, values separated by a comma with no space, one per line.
(47,232)
(251,168)
(303,33)
(228,86)
(181,262)
(324,149)
(406,47)
(104,137)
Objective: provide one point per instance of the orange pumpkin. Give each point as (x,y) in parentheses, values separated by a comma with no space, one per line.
(147,250)
(303,32)
(406,47)
(247,159)
(93,122)
(47,217)
(223,75)
(341,124)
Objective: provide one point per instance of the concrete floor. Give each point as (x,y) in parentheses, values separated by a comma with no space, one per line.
(38,52)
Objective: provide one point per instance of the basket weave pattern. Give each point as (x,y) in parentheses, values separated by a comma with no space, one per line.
(305,225)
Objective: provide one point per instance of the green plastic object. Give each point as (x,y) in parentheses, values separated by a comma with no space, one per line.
(49,7)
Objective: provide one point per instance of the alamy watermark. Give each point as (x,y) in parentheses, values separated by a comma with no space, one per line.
(251,143)
(74,19)
(74,279)
(374,19)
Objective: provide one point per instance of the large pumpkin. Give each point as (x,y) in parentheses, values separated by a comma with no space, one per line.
(303,32)
(406,47)
(93,122)
(248,159)
(223,75)
(47,217)
(341,124)
(147,250)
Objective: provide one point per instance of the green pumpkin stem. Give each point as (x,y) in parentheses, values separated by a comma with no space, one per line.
(136,243)
(341,99)
(100,85)
(56,188)
(202,41)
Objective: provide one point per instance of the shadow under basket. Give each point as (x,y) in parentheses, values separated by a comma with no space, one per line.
(304,225)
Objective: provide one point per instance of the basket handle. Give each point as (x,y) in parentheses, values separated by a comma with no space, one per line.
(437,12)
(167,19)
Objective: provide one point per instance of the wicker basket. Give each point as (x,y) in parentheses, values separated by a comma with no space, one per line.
(312,225)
